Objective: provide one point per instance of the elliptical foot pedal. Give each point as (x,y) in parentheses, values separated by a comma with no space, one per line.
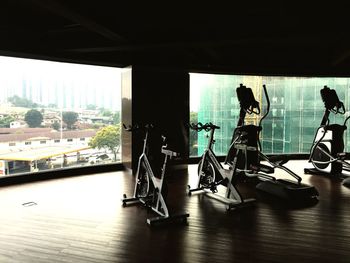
(159,220)
(262,168)
(249,202)
(130,200)
(343,155)
(314,171)
(310,171)
(279,159)
(346,182)
(288,190)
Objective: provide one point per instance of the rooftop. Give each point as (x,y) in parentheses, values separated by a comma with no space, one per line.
(40,135)
(40,153)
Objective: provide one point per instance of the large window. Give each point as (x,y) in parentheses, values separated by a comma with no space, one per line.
(55,115)
(296,109)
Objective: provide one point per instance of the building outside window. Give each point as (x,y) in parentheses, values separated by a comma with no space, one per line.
(295,114)
(65,103)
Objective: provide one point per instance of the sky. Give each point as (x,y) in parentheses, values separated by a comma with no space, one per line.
(79,78)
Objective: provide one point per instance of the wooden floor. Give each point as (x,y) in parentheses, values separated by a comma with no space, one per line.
(81,219)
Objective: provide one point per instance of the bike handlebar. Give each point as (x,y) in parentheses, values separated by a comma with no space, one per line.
(207,127)
(136,127)
(148,127)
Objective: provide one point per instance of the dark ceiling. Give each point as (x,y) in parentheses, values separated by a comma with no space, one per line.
(267,37)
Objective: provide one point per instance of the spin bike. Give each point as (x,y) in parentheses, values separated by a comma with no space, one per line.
(211,174)
(326,154)
(245,154)
(149,190)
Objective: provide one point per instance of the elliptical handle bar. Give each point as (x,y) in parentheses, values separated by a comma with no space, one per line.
(331,101)
(340,109)
(207,127)
(252,107)
(247,101)
(268,105)
(137,127)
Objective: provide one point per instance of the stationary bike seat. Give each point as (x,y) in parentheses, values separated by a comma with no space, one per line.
(169,152)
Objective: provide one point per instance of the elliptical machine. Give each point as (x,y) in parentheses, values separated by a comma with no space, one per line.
(245,155)
(326,154)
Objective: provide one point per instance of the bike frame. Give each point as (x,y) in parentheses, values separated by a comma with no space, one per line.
(225,174)
(210,155)
(157,183)
(159,205)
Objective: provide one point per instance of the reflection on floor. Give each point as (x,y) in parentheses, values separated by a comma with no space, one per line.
(81,219)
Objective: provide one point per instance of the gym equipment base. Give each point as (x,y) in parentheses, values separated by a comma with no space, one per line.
(231,204)
(288,190)
(345,177)
(314,171)
(346,182)
(177,217)
(341,175)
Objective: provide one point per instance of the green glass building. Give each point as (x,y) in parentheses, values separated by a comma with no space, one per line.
(295,113)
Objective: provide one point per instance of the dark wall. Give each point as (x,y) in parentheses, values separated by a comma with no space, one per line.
(159,97)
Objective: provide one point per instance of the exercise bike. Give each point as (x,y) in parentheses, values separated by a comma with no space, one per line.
(150,190)
(211,174)
(245,155)
(326,154)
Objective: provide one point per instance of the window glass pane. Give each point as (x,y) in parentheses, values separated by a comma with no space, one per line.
(295,114)
(51,115)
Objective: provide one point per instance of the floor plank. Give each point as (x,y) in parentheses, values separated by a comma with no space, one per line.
(81,219)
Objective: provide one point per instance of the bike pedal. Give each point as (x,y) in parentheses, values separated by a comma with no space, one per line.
(213,189)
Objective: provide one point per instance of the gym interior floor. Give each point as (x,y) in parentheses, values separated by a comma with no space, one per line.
(81,219)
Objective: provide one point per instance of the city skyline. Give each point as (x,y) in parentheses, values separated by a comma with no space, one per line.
(68,85)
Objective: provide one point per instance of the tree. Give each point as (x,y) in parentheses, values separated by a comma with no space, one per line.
(52,106)
(107,138)
(70,117)
(116,117)
(106,113)
(56,126)
(91,107)
(5,121)
(33,118)
(22,102)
